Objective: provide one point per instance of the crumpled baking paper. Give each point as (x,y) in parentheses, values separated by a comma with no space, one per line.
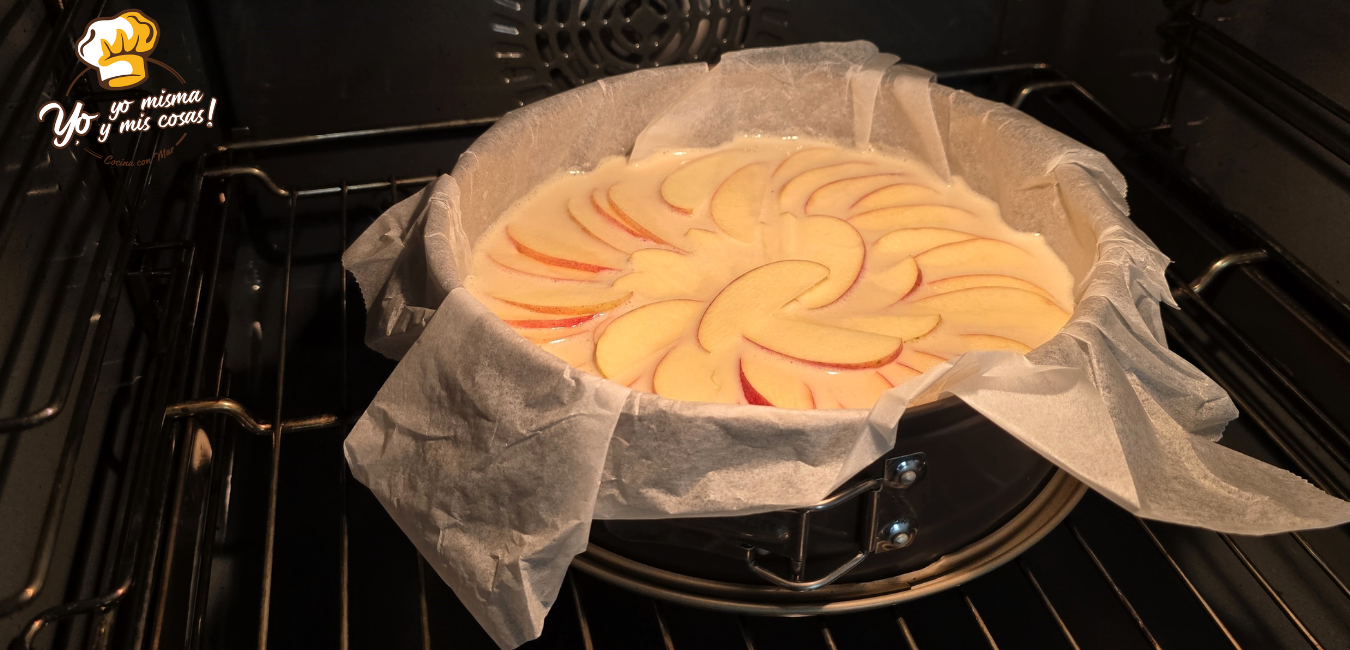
(494,456)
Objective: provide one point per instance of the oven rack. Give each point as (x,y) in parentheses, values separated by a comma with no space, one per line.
(185,401)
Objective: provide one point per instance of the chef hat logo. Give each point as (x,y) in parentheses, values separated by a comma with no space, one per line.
(118,48)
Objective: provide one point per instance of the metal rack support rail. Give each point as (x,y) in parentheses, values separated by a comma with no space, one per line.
(1296,103)
(70,358)
(120,214)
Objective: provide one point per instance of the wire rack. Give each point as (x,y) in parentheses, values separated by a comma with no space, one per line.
(233,531)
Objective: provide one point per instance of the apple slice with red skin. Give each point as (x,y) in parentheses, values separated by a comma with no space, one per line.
(603,226)
(1024,316)
(900,280)
(739,200)
(566,300)
(876,290)
(541,328)
(766,383)
(905,328)
(896,195)
(694,182)
(556,248)
(523,318)
(550,323)
(997,300)
(792,196)
(824,345)
(805,159)
(876,223)
(918,360)
(627,205)
(958,282)
(978,256)
(754,297)
(898,373)
(636,336)
(511,259)
(836,198)
(832,242)
(687,372)
(600,203)
(908,242)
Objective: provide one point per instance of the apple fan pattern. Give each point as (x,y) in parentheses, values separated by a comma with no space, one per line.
(766,272)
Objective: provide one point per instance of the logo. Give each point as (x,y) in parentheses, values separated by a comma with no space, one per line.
(119,48)
(117,52)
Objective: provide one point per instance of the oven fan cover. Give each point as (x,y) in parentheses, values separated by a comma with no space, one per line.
(548,46)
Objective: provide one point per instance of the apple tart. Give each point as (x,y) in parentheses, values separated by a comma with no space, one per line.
(773,272)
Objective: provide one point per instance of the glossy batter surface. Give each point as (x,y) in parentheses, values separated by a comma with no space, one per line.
(785,273)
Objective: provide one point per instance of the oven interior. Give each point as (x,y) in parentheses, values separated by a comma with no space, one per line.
(158,320)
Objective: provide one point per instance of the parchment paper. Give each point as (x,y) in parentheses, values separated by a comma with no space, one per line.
(494,456)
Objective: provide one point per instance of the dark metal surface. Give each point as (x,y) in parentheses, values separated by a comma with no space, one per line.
(1238,128)
(975,478)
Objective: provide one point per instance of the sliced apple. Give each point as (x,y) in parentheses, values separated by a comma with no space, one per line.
(766,383)
(895,195)
(1021,315)
(824,345)
(689,186)
(958,282)
(738,202)
(900,279)
(979,255)
(600,204)
(885,220)
(636,336)
(990,299)
(792,196)
(918,360)
(906,328)
(877,290)
(837,198)
(603,226)
(805,159)
(992,342)
(628,206)
(537,326)
(661,275)
(834,243)
(570,247)
(566,300)
(898,373)
(687,372)
(511,258)
(908,242)
(550,323)
(753,297)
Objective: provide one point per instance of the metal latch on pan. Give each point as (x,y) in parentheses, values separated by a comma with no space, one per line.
(887,513)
